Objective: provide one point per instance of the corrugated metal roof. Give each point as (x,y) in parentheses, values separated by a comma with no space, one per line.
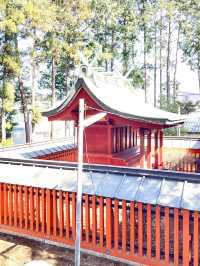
(109,90)
(130,186)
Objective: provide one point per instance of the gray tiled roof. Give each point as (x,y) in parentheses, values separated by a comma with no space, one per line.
(116,95)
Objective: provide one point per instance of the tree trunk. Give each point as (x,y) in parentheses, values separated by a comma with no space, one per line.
(53,91)
(168,61)
(145,53)
(25,111)
(176,64)
(199,70)
(105,43)
(155,65)
(3,127)
(112,50)
(145,66)
(33,70)
(161,47)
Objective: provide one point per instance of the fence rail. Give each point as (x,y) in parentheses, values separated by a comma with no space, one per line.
(144,233)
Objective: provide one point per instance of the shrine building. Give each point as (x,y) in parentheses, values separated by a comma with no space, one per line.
(131,133)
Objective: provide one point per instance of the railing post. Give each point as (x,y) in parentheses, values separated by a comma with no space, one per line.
(49,211)
(186,238)
(61,213)
(101,221)
(140,229)
(149,228)
(196,238)
(166,234)
(108,223)
(132,227)
(67,208)
(94,220)
(116,223)
(124,225)
(176,236)
(157,232)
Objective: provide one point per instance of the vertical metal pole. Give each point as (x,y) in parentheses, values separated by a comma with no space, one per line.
(79,182)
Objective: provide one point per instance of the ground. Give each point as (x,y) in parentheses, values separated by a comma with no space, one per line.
(17,251)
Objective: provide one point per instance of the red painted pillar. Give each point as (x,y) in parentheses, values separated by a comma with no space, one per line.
(156,149)
(110,139)
(149,149)
(142,148)
(161,148)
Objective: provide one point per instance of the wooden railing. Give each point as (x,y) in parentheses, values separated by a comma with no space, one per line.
(143,233)
(186,160)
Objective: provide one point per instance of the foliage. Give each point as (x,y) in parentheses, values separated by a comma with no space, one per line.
(36,116)
(41,42)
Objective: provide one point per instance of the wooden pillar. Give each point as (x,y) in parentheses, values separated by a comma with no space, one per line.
(149,148)
(156,149)
(161,148)
(142,148)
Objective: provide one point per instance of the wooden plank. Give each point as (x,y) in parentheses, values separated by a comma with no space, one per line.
(61,214)
(166,230)
(55,213)
(140,229)
(108,223)
(124,225)
(149,230)
(186,238)
(132,227)
(37,218)
(116,223)
(43,211)
(15,206)
(26,213)
(157,229)
(21,206)
(101,221)
(5,203)
(87,218)
(82,220)
(49,208)
(31,209)
(67,204)
(176,236)
(73,215)
(94,220)
(10,208)
(196,239)
(1,203)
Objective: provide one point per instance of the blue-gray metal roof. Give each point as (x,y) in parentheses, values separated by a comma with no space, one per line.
(156,187)
(29,151)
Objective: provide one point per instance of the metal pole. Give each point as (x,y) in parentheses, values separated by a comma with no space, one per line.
(79,182)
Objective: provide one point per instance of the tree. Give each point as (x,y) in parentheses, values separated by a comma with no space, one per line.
(191,37)
(11,17)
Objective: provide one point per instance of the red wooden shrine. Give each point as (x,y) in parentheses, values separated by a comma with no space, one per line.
(124,136)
